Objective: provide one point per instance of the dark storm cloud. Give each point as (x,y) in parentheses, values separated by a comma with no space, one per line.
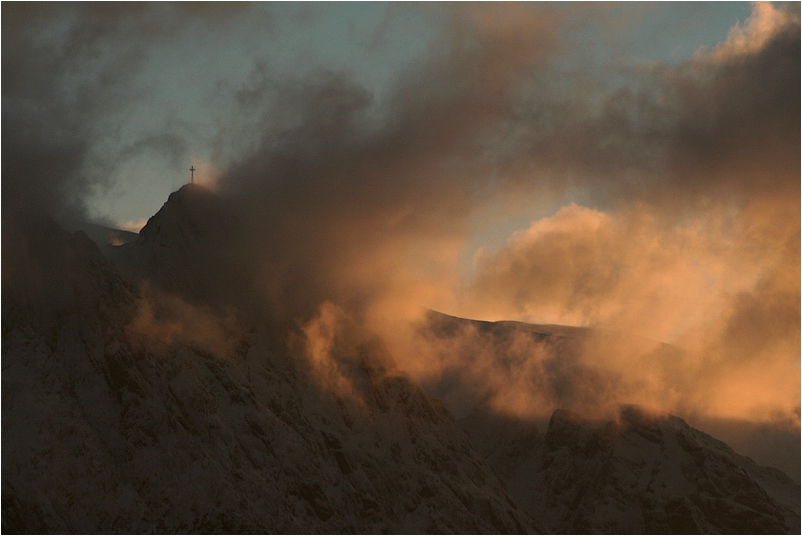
(342,200)
(740,129)
(338,190)
(725,123)
(341,203)
(67,73)
(51,104)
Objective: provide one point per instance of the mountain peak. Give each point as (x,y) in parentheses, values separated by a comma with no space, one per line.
(188,211)
(190,190)
(181,247)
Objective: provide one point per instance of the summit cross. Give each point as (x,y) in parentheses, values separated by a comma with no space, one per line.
(192,175)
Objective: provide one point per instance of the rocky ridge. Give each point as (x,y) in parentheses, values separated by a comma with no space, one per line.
(641,474)
(105,431)
(103,434)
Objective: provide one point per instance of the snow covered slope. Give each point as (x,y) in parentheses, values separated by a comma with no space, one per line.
(106,238)
(121,412)
(102,433)
(183,247)
(640,474)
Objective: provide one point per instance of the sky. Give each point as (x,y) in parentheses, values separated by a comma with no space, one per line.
(628,166)
(168,92)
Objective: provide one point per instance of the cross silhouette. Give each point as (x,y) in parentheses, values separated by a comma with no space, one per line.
(192,176)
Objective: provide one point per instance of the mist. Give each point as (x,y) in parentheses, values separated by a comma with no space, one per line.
(672,200)
(692,239)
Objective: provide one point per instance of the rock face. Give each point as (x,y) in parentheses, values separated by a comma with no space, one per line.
(110,428)
(640,474)
(184,247)
(650,474)
(104,434)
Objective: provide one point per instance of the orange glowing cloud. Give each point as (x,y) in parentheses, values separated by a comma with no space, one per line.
(134,226)
(766,19)
(335,216)
(205,173)
(721,284)
(162,320)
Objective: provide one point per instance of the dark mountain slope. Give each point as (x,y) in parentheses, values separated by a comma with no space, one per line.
(104,433)
(126,410)
(640,474)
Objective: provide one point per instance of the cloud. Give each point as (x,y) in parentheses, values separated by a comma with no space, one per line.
(663,135)
(630,268)
(694,175)
(134,225)
(511,369)
(70,75)
(684,182)
(718,285)
(350,203)
(342,356)
(204,174)
(757,31)
(52,110)
(163,320)
(693,237)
